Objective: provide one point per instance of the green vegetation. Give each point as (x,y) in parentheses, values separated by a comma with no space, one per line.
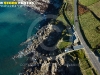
(64,32)
(61,18)
(98,29)
(88,72)
(88,24)
(84,63)
(95,8)
(64,44)
(87,2)
(69,10)
(69,58)
(58,23)
(80,54)
(98,51)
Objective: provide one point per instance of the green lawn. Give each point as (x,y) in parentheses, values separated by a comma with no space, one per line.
(88,2)
(64,44)
(89,24)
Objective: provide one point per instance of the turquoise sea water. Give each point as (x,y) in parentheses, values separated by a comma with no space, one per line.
(14,24)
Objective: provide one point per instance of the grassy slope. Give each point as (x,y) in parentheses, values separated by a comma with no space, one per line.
(70,10)
(61,18)
(89,23)
(84,64)
(95,8)
(88,2)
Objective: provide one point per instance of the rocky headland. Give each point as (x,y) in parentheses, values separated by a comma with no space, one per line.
(43,42)
(40,61)
(43,56)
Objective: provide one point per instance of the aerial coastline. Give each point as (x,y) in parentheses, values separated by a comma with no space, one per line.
(45,55)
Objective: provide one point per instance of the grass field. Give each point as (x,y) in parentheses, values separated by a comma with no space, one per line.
(69,10)
(89,24)
(88,27)
(85,64)
(95,8)
(88,2)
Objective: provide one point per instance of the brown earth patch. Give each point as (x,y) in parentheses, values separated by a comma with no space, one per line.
(82,9)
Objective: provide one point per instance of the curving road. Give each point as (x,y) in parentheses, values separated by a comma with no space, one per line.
(89,53)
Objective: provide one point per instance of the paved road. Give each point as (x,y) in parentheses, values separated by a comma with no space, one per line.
(94,61)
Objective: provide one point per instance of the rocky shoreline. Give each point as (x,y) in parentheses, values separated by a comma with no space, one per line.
(42,6)
(41,48)
(39,58)
(45,36)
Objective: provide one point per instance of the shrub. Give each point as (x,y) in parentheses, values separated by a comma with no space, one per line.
(98,29)
(80,54)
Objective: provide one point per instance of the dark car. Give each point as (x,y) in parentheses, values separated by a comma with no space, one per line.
(76,20)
